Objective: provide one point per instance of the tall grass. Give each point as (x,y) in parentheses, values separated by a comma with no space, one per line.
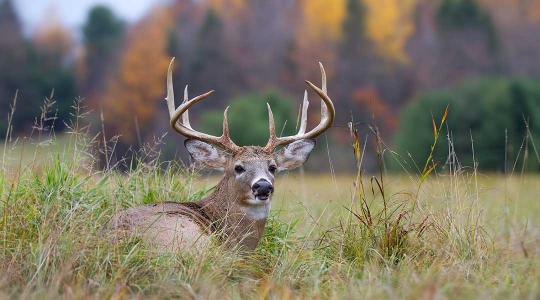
(427,241)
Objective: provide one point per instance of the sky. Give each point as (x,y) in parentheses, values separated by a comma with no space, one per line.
(72,13)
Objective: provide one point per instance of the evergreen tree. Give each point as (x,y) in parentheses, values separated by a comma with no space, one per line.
(102,36)
(34,68)
(461,15)
(468,40)
(210,67)
(353,41)
(13,67)
(454,39)
(356,61)
(49,70)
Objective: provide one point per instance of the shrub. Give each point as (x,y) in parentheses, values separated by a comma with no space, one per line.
(248,118)
(494,112)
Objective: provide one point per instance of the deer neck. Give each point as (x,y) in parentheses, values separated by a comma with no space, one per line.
(241,225)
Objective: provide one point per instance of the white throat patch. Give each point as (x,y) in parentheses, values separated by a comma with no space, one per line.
(257,212)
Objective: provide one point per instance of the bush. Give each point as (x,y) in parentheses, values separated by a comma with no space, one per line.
(248,118)
(493,111)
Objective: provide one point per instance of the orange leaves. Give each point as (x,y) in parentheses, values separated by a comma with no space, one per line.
(370,100)
(133,95)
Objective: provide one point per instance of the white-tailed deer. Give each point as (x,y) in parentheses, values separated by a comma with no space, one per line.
(238,207)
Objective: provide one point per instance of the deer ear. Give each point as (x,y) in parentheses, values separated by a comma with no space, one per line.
(294,155)
(206,155)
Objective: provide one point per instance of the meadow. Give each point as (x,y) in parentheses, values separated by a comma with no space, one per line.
(454,234)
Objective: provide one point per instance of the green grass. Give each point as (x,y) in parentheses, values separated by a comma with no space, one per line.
(453,235)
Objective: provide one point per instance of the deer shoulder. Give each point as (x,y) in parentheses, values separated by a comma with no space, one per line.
(167,226)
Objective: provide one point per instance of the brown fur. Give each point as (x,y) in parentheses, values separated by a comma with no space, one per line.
(171,225)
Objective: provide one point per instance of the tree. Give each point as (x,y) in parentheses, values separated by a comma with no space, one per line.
(354,42)
(248,118)
(50,68)
(454,39)
(523,10)
(370,101)
(389,24)
(494,112)
(102,37)
(9,23)
(460,14)
(356,60)
(468,37)
(263,40)
(230,9)
(211,66)
(131,99)
(322,20)
(516,22)
(318,32)
(35,68)
(12,60)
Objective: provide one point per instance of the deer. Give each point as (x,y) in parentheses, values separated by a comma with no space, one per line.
(237,210)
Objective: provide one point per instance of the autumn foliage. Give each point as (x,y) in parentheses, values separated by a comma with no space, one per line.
(132,98)
(390,24)
(377,110)
(379,56)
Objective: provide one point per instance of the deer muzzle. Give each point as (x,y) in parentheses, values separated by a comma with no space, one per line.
(262,189)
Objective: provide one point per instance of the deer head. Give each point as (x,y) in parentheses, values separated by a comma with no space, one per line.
(249,170)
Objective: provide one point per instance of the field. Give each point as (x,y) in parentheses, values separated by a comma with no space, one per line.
(457,234)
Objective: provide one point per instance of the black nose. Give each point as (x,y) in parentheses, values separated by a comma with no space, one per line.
(262,187)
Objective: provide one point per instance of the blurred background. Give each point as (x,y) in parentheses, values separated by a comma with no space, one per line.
(393,67)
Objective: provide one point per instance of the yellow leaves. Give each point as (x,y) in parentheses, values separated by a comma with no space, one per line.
(389,24)
(132,97)
(318,33)
(323,19)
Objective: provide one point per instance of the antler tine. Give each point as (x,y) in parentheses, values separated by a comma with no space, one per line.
(303,116)
(170,90)
(271,123)
(184,128)
(176,114)
(185,116)
(226,123)
(324,109)
(327,118)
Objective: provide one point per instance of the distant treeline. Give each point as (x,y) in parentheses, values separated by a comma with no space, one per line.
(493,124)
(379,56)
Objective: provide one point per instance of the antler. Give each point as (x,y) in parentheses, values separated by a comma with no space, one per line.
(327,118)
(184,127)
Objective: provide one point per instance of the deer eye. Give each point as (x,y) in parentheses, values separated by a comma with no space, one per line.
(239,169)
(272,169)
